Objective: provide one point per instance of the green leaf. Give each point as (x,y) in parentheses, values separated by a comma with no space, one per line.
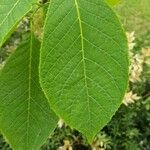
(112,2)
(84,63)
(25,117)
(11,12)
(45,8)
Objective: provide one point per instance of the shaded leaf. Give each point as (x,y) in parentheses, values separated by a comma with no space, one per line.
(11,12)
(25,117)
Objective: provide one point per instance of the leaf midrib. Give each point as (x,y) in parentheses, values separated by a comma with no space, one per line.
(29,94)
(82,50)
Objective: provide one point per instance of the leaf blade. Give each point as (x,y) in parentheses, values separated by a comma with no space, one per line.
(84,63)
(11,12)
(25,117)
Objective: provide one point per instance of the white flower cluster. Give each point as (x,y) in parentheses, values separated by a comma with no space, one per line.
(101,142)
(67,146)
(136,60)
(131,39)
(130,98)
(136,67)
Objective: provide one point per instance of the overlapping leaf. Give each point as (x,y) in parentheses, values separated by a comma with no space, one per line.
(25,117)
(84,63)
(11,11)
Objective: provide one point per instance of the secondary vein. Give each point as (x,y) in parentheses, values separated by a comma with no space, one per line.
(9,12)
(29,96)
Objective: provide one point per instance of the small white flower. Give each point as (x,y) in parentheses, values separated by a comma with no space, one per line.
(135,68)
(131,38)
(67,146)
(60,123)
(130,98)
(136,60)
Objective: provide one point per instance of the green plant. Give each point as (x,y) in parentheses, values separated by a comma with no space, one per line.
(83,70)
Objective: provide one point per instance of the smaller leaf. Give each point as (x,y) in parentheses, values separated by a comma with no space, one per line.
(25,117)
(11,12)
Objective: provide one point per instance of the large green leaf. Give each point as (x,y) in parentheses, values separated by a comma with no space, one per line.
(83,63)
(25,117)
(11,11)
